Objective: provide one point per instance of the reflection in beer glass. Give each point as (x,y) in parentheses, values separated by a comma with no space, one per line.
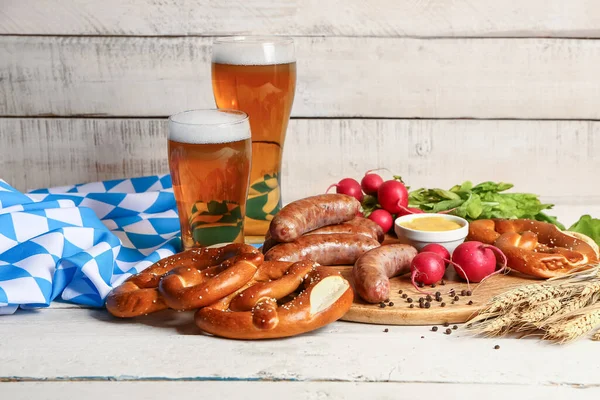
(258,76)
(209,160)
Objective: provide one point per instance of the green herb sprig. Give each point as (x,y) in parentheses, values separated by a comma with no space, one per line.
(482,201)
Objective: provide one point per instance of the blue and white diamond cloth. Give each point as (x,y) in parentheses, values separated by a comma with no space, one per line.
(76,243)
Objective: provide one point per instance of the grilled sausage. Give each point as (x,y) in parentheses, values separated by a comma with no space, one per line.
(366,222)
(373,270)
(345,228)
(305,215)
(334,249)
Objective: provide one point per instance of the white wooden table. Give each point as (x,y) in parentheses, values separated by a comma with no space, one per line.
(71,352)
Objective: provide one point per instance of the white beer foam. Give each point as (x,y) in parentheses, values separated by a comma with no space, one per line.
(208,127)
(253,51)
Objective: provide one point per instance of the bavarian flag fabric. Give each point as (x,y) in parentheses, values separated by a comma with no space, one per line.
(75,243)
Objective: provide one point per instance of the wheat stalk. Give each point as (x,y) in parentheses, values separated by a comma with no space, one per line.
(564,308)
(573,325)
(540,312)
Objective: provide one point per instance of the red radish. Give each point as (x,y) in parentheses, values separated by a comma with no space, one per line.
(410,210)
(348,186)
(476,261)
(370,183)
(392,196)
(427,268)
(383,219)
(437,249)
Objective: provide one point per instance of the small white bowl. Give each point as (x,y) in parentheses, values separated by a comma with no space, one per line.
(449,239)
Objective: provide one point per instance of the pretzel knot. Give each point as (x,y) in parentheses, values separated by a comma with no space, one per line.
(254,312)
(140,294)
(535,248)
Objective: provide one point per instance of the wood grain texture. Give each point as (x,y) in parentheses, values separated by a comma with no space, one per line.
(337,77)
(453,312)
(553,158)
(395,18)
(83,344)
(278,390)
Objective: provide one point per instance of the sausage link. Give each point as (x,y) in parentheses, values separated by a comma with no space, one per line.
(373,270)
(334,249)
(372,225)
(344,228)
(305,215)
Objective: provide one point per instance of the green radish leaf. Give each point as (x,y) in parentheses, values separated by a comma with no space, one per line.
(446,205)
(474,207)
(492,187)
(446,194)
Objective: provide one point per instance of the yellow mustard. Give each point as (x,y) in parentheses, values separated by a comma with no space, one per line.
(431,224)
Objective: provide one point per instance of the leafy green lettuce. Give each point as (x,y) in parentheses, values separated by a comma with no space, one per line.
(482,201)
(588,226)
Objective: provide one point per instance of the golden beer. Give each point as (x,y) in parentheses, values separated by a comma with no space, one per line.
(209,160)
(258,76)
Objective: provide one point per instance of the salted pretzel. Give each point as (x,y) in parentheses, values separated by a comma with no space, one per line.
(254,313)
(139,294)
(533,247)
(188,288)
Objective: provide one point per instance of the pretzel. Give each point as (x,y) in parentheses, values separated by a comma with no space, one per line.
(326,297)
(533,247)
(139,295)
(191,287)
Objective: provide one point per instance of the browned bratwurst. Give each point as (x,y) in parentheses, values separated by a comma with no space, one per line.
(373,270)
(313,212)
(345,228)
(269,242)
(366,222)
(334,249)
(358,226)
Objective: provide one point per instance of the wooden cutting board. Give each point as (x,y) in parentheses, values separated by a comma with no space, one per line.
(458,312)
(454,311)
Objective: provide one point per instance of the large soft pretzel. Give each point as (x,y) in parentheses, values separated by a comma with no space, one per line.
(533,247)
(326,297)
(139,295)
(188,288)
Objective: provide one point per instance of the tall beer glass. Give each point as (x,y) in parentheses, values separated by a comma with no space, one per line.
(258,76)
(209,160)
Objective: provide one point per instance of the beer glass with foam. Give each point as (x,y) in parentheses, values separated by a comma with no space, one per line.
(258,76)
(209,160)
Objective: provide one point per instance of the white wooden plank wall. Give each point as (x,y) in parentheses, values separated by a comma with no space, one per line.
(381,18)
(439,91)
